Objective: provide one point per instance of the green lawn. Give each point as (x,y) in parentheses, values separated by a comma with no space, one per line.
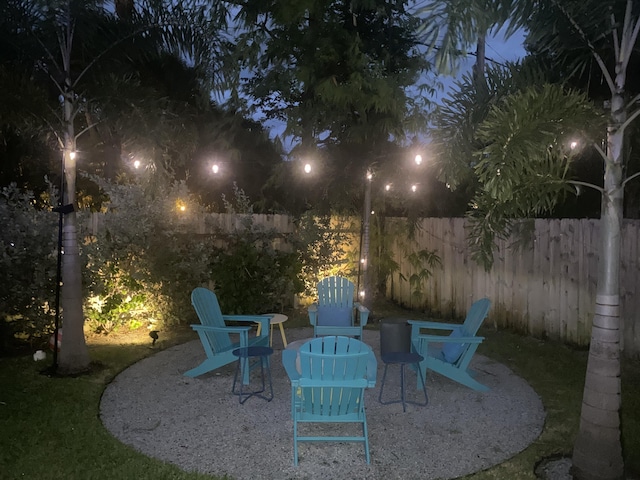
(51,428)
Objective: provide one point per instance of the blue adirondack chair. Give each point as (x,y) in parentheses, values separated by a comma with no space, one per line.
(335,311)
(215,334)
(329,387)
(450,356)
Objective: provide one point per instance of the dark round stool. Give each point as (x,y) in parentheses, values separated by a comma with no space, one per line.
(246,353)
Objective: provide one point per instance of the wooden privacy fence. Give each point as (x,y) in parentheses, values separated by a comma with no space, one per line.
(545,288)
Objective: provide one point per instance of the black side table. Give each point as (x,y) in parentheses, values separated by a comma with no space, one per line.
(402,359)
(263,353)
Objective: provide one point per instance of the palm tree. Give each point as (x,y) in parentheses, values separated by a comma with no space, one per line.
(523,169)
(47,31)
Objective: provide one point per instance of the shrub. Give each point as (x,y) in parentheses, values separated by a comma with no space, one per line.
(28,260)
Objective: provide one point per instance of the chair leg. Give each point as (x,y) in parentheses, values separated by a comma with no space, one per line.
(295,441)
(365,433)
(384,376)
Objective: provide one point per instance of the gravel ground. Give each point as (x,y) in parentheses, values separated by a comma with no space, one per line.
(199,425)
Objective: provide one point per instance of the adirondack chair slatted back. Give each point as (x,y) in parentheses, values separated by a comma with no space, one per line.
(206,304)
(328,376)
(341,362)
(335,311)
(336,292)
(475,316)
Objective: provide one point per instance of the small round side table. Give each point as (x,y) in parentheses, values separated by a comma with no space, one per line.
(402,359)
(246,353)
(276,319)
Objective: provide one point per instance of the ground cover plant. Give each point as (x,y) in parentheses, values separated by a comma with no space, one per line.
(51,426)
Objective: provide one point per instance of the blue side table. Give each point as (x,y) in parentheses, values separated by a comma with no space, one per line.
(263,354)
(402,359)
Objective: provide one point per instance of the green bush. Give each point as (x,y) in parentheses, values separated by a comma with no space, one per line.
(28,260)
(144,259)
(250,276)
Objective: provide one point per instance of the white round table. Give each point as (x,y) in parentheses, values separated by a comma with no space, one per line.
(276,319)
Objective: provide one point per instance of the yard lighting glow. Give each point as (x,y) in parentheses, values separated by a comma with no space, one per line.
(307,168)
(136,164)
(418,159)
(414,187)
(573,145)
(215,168)
(387,187)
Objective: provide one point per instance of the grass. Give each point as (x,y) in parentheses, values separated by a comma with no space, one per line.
(51,427)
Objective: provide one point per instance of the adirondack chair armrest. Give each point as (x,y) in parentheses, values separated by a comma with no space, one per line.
(289,363)
(264,320)
(364,313)
(447,339)
(420,324)
(313,313)
(227,329)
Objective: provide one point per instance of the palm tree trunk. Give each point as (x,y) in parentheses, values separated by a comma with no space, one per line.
(597,453)
(74,356)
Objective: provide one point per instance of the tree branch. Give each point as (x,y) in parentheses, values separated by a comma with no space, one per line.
(628,45)
(586,184)
(598,58)
(632,117)
(628,179)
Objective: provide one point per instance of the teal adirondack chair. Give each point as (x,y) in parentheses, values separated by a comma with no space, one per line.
(215,334)
(335,311)
(329,386)
(452,354)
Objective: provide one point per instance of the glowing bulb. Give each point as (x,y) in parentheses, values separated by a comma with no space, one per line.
(136,164)
(418,159)
(215,168)
(72,155)
(361,293)
(183,208)
(369,176)
(307,168)
(573,145)
(387,187)
(414,187)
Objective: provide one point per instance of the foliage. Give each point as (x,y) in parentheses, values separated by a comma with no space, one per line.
(28,262)
(518,177)
(422,262)
(140,265)
(250,276)
(329,247)
(323,68)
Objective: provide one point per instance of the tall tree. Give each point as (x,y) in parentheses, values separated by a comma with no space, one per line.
(334,70)
(51,36)
(522,169)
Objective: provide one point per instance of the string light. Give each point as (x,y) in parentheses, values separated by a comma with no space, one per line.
(307,168)
(215,168)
